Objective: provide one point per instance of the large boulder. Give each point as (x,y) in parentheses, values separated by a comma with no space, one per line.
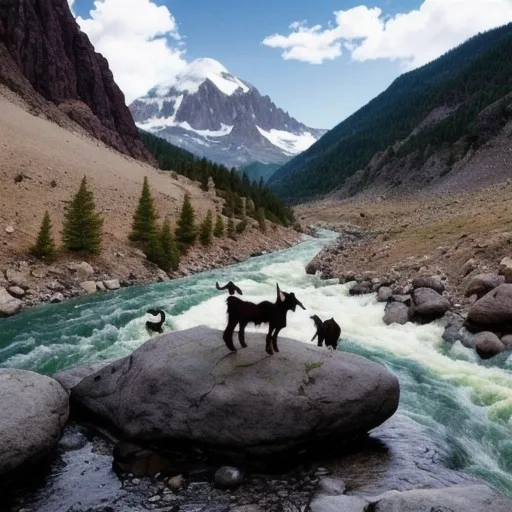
(384,294)
(482,284)
(8,304)
(474,498)
(187,387)
(432,282)
(70,377)
(34,410)
(488,345)
(396,313)
(493,311)
(428,305)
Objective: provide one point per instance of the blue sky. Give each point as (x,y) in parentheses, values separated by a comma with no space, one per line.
(319,74)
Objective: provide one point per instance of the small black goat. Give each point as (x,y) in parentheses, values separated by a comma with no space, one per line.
(328,331)
(156,326)
(244,312)
(230,287)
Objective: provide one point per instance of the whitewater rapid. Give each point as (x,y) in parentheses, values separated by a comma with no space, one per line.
(466,403)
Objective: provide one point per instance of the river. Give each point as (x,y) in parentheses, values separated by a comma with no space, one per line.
(465,403)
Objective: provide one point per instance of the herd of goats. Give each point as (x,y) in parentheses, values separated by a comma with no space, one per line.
(241,313)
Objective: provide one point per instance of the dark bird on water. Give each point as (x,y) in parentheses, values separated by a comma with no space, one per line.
(156,326)
(230,287)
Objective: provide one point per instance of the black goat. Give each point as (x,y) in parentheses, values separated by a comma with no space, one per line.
(328,331)
(156,326)
(230,287)
(244,312)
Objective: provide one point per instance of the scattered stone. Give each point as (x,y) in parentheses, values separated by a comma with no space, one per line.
(493,311)
(39,273)
(9,230)
(153,394)
(100,286)
(37,404)
(384,294)
(89,287)
(17,279)
(312,268)
(155,498)
(432,282)
(428,305)
(8,304)
(396,313)
(338,504)
(482,284)
(112,284)
(488,345)
(468,267)
(329,486)
(507,341)
(506,269)
(16,292)
(176,483)
(228,477)
(361,289)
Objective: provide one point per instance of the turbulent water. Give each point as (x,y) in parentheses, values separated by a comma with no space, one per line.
(466,403)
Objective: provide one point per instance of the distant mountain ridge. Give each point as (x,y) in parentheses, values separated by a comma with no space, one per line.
(426,128)
(212,113)
(52,65)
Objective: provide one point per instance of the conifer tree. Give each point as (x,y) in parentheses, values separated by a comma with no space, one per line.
(219,227)
(162,250)
(45,246)
(82,225)
(144,221)
(205,234)
(186,232)
(260,217)
(231,228)
(241,226)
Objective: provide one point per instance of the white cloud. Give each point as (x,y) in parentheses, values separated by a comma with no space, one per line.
(135,36)
(415,37)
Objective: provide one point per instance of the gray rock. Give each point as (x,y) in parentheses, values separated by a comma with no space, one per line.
(176,483)
(452,330)
(83,269)
(112,284)
(17,279)
(56,298)
(8,304)
(40,406)
(182,386)
(228,477)
(507,341)
(384,294)
(329,486)
(72,376)
(494,310)
(432,282)
(338,504)
(132,459)
(361,289)
(312,268)
(488,345)
(72,440)
(428,305)
(475,498)
(100,286)
(506,269)
(89,287)
(396,313)
(16,292)
(482,284)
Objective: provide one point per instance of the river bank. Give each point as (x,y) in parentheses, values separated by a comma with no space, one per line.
(27,283)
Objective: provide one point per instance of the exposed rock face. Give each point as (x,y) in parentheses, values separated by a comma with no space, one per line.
(45,56)
(34,410)
(185,386)
(493,311)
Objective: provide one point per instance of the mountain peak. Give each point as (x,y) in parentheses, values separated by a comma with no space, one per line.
(196,73)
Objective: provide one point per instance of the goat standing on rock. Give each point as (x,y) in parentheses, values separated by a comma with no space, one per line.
(244,312)
(328,331)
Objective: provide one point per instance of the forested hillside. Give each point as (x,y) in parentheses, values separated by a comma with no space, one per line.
(463,82)
(229,182)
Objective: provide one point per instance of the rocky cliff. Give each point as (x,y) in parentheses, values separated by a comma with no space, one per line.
(49,62)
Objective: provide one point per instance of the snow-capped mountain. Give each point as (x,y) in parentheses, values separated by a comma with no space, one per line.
(212,113)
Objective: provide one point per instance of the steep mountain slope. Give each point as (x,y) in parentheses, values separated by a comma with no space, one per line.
(427,125)
(46,59)
(212,113)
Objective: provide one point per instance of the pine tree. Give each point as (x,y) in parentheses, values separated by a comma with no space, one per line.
(186,232)
(205,234)
(219,227)
(231,228)
(45,246)
(260,217)
(82,225)
(144,221)
(170,253)
(241,226)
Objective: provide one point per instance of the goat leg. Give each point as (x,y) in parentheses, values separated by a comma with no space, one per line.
(228,335)
(268,348)
(321,341)
(274,340)
(241,334)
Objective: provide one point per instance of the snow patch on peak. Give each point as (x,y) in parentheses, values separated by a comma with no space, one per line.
(197,72)
(290,143)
